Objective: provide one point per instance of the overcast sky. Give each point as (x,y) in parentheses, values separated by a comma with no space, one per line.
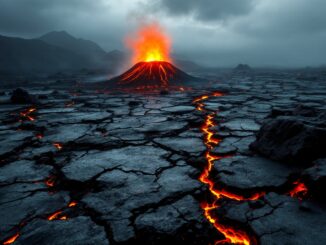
(211,32)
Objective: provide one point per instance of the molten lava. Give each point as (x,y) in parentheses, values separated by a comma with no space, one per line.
(26,114)
(11,239)
(149,43)
(231,234)
(153,75)
(299,191)
(58,146)
(57,216)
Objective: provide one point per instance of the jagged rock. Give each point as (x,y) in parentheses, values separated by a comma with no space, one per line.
(281,220)
(80,230)
(242,173)
(315,178)
(24,201)
(21,96)
(296,137)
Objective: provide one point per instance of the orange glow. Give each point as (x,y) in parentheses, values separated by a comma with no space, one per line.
(72,204)
(299,191)
(11,239)
(57,145)
(57,216)
(27,114)
(50,181)
(231,235)
(149,43)
(155,70)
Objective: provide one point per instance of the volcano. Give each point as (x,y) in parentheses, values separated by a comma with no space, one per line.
(153,69)
(152,75)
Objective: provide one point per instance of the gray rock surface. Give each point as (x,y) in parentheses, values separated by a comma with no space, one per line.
(131,162)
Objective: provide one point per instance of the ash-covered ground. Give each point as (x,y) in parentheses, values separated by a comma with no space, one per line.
(80,166)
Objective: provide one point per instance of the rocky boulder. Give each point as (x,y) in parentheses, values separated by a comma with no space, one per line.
(297,137)
(21,96)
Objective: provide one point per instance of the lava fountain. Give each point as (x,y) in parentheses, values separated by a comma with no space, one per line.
(150,43)
(153,67)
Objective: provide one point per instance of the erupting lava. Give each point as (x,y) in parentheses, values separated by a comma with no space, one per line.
(153,69)
(149,43)
(231,234)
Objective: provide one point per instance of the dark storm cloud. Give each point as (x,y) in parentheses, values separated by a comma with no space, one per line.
(95,20)
(32,16)
(206,10)
(211,32)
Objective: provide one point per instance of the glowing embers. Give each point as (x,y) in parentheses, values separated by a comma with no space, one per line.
(11,239)
(149,43)
(72,204)
(299,190)
(58,146)
(28,114)
(57,216)
(50,182)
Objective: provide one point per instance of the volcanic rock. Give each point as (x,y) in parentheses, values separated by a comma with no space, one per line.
(315,177)
(21,96)
(297,137)
(273,221)
(80,230)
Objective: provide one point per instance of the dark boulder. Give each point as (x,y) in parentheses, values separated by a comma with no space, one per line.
(21,96)
(315,178)
(297,137)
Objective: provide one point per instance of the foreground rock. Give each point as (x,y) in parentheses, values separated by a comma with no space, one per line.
(21,96)
(96,168)
(280,219)
(297,137)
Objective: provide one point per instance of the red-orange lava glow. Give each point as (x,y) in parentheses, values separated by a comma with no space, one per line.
(27,114)
(299,191)
(72,204)
(149,43)
(11,240)
(57,216)
(150,71)
(50,182)
(231,235)
(58,146)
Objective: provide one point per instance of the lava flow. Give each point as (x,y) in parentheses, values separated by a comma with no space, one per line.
(231,235)
(27,114)
(152,65)
(11,239)
(57,216)
(299,191)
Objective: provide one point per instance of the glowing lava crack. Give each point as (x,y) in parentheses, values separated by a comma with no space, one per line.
(231,234)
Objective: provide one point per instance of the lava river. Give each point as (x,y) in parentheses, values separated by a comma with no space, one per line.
(232,235)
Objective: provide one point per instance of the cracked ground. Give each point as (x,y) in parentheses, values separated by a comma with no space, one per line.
(117,168)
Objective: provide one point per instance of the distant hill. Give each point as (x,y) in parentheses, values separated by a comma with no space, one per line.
(116,59)
(188,65)
(88,49)
(20,56)
(58,51)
